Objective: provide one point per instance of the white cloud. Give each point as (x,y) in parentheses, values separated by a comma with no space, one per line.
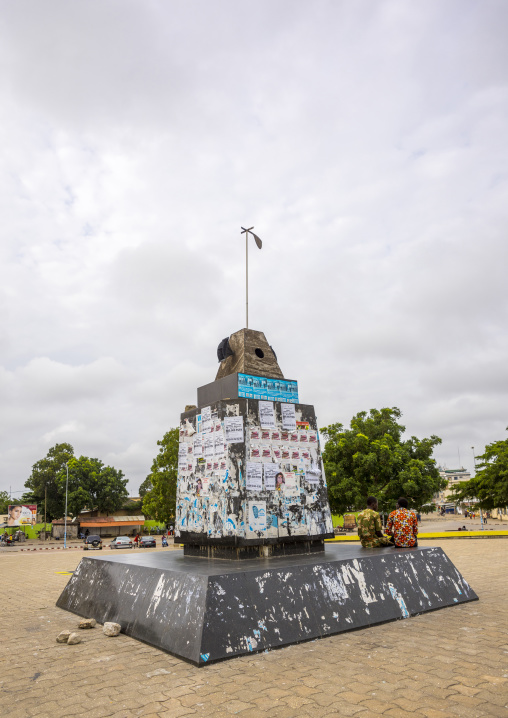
(366,142)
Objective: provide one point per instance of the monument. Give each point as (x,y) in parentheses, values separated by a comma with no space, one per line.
(252,515)
(250,475)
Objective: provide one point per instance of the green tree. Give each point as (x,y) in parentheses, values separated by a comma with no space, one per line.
(4,501)
(371,458)
(490,485)
(159,502)
(45,476)
(145,487)
(92,485)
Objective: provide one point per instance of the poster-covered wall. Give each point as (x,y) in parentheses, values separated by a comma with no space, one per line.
(252,470)
(258,387)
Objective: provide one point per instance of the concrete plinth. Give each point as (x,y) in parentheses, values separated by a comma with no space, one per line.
(206,610)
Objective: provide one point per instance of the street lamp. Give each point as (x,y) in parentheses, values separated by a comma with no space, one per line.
(259,244)
(481,512)
(65,517)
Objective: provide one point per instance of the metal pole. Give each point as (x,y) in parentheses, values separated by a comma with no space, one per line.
(481,513)
(45,505)
(65,517)
(246,280)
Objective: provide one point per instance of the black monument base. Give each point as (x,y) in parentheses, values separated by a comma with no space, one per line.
(207,610)
(263,550)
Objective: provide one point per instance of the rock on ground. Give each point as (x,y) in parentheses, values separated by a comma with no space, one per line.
(73,639)
(87,623)
(111,629)
(63,636)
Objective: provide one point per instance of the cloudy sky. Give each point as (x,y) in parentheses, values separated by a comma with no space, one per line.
(364,140)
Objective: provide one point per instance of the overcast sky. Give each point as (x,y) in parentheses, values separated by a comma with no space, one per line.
(366,141)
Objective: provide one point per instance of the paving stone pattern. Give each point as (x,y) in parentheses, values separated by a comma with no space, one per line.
(444,664)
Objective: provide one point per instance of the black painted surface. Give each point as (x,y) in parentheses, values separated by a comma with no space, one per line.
(207,610)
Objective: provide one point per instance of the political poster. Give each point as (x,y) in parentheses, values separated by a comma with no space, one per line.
(198,445)
(270,471)
(266,415)
(288,417)
(254,476)
(233,429)
(206,419)
(257,516)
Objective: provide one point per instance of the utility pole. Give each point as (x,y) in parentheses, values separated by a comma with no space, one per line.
(481,512)
(65,517)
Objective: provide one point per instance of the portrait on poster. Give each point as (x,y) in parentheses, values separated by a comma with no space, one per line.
(21,514)
(270,471)
(280,481)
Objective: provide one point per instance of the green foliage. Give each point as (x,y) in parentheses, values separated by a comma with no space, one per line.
(490,485)
(91,484)
(371,458)
(4,501)
(45,474)
(145,487)
(159,502)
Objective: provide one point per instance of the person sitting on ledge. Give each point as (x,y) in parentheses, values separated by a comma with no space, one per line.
(370,529)
(403,525)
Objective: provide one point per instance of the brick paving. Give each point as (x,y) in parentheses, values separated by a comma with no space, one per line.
(448,663)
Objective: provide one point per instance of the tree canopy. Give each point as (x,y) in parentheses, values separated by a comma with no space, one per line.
(45,473)
(371,458)
(91,484)
(490,485)
(159,498)
(4,502)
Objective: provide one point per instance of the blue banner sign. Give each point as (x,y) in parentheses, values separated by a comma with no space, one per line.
(260,387)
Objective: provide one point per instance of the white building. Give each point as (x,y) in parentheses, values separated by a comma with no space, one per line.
(454,477)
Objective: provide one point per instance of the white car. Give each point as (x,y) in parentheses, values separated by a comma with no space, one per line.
(121,542)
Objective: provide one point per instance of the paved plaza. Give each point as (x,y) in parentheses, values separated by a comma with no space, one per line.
(452,662)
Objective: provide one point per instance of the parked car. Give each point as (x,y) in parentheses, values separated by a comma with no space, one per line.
(121,542)
(93,542)
(147,542)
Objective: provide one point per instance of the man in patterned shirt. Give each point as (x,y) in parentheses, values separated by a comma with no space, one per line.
(370,528)
(403,525)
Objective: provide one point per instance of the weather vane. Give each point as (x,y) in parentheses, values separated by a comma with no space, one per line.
(259,244)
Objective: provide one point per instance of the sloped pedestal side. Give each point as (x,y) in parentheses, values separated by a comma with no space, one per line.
(207,610)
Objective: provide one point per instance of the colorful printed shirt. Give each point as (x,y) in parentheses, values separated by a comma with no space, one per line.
(404,525)
(369,522)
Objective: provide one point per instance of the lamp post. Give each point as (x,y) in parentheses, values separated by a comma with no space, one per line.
(259,244)
(65,517)
(481,512)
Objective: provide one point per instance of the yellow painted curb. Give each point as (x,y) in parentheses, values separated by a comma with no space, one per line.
(440,535)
